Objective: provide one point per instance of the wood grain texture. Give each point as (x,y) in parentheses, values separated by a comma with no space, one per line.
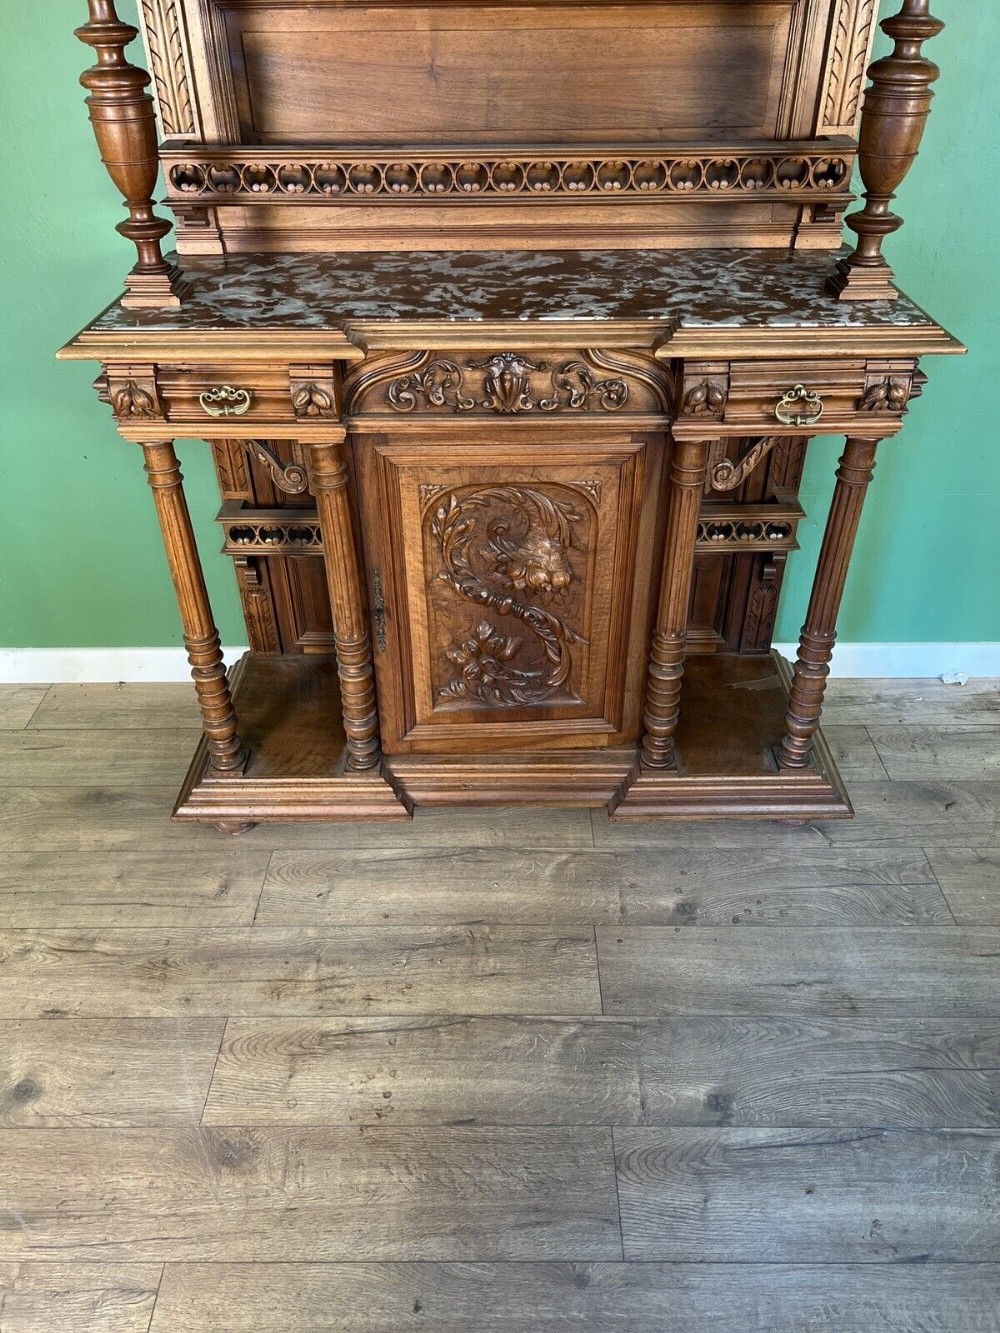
(921,702)
(644,886)
(854,753)
(887,814)
(593,1071)
(122,707)
(106,1072)
(18,705)
(68,1298)
(284,1194)
(937,970)
(585,1298)
(970,880)
(796,1196)
(155,973)
(60,758)
(909,753)
(218,886)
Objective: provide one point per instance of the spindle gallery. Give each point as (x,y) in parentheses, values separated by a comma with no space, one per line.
(508,329)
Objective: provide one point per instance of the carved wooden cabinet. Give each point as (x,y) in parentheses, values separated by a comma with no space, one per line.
(508,328)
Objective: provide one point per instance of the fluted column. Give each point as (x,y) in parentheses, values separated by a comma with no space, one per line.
(896,107)
(819,633)
(688,466)
(201,638)
(122,114)
(329,478)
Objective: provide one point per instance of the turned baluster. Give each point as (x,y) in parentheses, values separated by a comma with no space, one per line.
(201,638)
(896,107)
(688,467)
(819,633)
(122,114)
(328,476)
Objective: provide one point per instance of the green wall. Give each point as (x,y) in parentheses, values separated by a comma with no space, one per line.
(81,563)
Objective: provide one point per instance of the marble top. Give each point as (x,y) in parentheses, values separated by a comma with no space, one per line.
(756,289)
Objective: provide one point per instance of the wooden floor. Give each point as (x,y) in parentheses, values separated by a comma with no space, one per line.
(518,1071)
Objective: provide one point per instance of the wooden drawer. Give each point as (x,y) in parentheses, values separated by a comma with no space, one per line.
(219,393)
(765,394)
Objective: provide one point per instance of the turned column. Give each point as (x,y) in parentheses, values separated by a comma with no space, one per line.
(122,114)
(201,638)
(819,633)
(688,466)
(895,112)
(329,483)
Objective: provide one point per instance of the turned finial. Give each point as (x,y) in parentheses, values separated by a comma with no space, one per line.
(896,107)
(121,112)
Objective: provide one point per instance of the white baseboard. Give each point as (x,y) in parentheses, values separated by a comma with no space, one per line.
(32,666)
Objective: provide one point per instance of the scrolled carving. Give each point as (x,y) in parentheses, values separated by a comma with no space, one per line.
(438,385)
(508,382)
(726,474)
(890,394)
(580,386)
(527,537)
(292,478)
(506,386)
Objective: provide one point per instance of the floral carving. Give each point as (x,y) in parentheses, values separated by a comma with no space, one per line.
(887,395)
(506,387)
(508,384)
(706,398)
(132,401)
(438,385)
(312,402)
(527,537)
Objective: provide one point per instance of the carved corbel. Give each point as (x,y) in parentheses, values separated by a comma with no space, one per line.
(705,391)
(292,478)
(726,475)
(314,391)
(132,393)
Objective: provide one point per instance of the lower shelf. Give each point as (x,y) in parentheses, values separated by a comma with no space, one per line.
(733,713)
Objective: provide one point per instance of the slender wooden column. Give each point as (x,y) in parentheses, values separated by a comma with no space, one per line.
(819,633)
(201,638)
(688,466)
(896,107)
(328,473)
(122,114)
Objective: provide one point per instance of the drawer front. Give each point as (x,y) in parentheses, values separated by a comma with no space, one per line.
(766,394)
(216,394)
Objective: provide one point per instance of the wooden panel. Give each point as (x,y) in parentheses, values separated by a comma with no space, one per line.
(818,887)
(124,973)
(547,73)
(106,1072)
(271,1194)
(67,1298)
(937,970)
(588,1298)
(512,613)
(680,1071)
(218,886)
(801,1196)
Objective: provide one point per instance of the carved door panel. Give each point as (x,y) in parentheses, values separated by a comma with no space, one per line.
(510,587)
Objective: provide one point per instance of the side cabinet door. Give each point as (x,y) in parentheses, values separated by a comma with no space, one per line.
(510,585)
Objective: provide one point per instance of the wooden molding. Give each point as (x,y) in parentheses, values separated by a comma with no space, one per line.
(167,48)
(852,36)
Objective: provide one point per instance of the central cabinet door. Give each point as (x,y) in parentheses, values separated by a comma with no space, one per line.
(510,587)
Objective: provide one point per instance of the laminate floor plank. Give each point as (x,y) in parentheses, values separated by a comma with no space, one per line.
(83,758)
(577,1298)
(101,1072)
(308,1194)
(970,880)
(877,1196)
(918,703)
(118,707)
(219,887)
(854,753)
(938,971)
(641,886)
(18,705)
(87,1297)
(887,814)
(592,1071)
(257,971)
(909,753)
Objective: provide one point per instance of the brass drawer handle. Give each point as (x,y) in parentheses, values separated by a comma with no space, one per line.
(799,407)
(226,401)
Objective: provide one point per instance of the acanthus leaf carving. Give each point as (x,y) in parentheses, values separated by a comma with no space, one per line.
(506,387)
(168,64)
(853,31)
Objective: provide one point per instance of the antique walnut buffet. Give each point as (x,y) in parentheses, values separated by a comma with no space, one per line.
(508,327)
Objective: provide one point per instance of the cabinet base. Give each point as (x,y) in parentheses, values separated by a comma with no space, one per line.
(733,715)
